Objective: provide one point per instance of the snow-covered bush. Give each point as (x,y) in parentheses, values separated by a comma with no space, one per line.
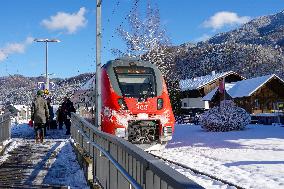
(226,117)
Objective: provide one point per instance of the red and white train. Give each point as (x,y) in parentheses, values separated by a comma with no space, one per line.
(135,102)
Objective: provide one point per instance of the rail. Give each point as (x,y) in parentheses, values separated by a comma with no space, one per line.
(5,127)
(197,172)
(120,164)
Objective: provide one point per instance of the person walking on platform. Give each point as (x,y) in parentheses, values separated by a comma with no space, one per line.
(51,114)
(59,117)
(39,115)
(67,107)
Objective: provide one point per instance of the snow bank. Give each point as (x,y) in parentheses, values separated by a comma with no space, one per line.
(251,158)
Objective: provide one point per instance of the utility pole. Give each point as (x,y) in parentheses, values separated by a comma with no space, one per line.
(98,64)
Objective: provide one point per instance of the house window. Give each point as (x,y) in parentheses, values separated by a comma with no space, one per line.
(256,103)
(184,104)
(280,106)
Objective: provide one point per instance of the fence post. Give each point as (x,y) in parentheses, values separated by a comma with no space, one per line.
(5,129)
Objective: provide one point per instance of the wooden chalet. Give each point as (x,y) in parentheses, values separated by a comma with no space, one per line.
(193,90)
(258,96)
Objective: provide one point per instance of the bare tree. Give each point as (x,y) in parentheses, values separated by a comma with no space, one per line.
(147,39)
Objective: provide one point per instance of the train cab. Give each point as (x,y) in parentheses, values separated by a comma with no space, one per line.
(135,102)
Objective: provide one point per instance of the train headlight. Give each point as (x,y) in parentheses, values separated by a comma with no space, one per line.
(167,131)
(160,103)
(122,104)
(120,132)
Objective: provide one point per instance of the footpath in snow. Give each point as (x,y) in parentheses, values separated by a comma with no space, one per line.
(26,163)
(252,158)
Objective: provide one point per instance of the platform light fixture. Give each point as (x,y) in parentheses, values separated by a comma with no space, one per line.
(46,41)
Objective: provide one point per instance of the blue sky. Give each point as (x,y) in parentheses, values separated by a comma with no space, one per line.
(74,23)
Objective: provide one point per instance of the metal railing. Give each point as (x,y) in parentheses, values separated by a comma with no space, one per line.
(5,127)
(120,164)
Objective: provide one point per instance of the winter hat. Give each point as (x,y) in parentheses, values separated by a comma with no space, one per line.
(39,93)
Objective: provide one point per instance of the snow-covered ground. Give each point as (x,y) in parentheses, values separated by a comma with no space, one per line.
(54,161)
(252,158)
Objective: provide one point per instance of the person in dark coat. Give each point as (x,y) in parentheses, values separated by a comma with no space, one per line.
(59,117)
(39,115)
(67,107)
(51,114)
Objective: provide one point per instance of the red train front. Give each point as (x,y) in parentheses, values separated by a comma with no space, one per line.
(135,102)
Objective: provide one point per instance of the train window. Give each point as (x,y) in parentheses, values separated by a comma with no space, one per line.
(138,83)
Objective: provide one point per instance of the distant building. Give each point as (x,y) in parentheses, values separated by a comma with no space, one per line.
(84,99)
(193,90)
(23,113)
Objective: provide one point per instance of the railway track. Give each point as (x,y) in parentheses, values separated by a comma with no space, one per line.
(150,148)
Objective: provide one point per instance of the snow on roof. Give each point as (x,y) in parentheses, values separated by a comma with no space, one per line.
(249,86)
(198,82)
(20,107)
(89,84)
(210,95)
(243,88)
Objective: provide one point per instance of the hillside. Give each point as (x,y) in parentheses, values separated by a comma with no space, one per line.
(265,30)
(18,89)
(252,50)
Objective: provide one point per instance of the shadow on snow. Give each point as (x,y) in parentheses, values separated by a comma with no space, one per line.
(65,170)
(238,163)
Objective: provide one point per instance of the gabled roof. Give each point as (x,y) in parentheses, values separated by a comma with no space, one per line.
(243,88)
(199,82)
(249,86)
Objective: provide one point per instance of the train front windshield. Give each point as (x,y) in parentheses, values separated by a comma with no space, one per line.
(136,81)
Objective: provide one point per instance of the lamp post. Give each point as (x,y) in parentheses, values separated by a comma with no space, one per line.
(46,41)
